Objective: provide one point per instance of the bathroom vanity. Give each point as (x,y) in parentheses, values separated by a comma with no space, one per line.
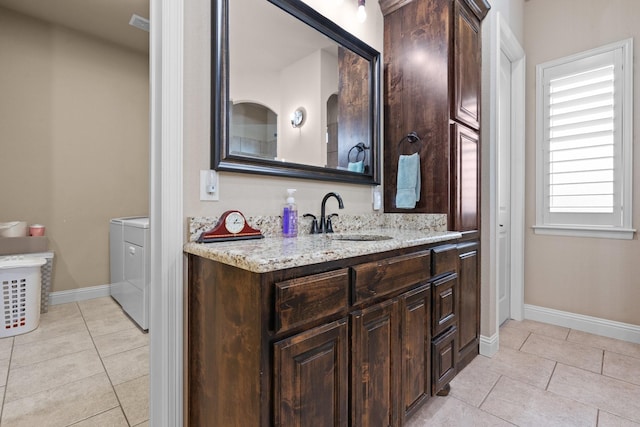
(322,331)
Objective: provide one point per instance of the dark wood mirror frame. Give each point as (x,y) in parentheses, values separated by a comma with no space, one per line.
(220,112)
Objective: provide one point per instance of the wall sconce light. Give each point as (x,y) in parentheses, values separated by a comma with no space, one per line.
(298,117)
(362,13)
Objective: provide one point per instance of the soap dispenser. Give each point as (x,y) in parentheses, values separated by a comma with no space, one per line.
(290,216)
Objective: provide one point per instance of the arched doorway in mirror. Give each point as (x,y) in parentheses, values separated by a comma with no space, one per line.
(253,131)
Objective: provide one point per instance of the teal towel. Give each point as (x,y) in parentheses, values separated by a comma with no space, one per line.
(356,166)
(408,185)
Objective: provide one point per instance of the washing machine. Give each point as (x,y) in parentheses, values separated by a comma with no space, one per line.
(129,264)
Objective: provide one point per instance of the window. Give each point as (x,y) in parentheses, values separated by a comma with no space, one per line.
(584,137)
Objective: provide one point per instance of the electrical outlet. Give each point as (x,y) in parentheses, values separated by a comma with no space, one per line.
(209,186)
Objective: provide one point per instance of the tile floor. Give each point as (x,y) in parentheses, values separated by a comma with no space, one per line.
(87,364)
(543,375)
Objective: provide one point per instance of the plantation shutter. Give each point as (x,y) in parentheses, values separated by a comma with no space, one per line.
(582,146)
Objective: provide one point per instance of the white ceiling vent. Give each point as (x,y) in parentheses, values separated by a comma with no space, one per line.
(139,22)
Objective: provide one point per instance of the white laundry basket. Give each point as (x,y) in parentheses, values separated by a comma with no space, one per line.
(20,286)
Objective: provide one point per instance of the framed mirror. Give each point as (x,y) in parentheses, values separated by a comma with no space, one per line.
(293,94)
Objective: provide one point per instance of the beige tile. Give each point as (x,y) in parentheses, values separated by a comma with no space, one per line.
(45,349)
(525,367)
(97,307)
(611,395)
(525,405)
(617,346)
(513,337)
(134,398)
(606,419)
(451,412)
(49,374)
(118,342)
(6,345)
(53,328)
(60,311)
(144,424)
(4,371)
(622,367)
(540,328)
(125,366)
(569,353)
(63,405)
(109,322)
(473,383)
(111,418)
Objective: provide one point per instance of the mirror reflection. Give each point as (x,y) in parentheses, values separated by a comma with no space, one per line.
(297,97)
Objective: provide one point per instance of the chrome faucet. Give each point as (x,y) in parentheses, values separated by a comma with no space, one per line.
(325,224)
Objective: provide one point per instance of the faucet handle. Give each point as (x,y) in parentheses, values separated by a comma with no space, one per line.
(329,228)
(314,223)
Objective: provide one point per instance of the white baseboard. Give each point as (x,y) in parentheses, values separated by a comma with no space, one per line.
(80,294)
(593,325)
(489,345)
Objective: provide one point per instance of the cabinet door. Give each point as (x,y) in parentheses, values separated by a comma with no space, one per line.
(444,359)
(375,365)
(445,299)
(465,214)
(467,61)
(415,311)
(311,377)
(469,303)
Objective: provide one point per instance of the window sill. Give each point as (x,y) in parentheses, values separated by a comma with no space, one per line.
(575,231)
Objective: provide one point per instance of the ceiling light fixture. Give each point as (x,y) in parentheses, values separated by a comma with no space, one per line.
(362,13)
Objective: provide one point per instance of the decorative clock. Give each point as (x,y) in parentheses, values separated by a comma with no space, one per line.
(232,225)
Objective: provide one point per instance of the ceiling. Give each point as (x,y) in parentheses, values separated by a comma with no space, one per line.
(104,19)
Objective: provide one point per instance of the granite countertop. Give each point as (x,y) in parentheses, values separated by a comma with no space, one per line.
(277,253)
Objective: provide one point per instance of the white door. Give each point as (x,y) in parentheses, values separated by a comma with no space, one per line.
(504,190)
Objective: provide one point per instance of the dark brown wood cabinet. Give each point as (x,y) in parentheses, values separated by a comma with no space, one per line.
(375,367)
(311,387)
(440,100)
(391,359)
(444,359)
(415,341)
(465,161)
(426,96)
(468,303)
(467,63)
(348,342)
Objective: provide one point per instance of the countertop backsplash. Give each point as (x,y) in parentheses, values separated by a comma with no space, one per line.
(271,225)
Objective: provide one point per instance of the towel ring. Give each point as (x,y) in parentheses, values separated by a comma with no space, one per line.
(411,137)
(360,147)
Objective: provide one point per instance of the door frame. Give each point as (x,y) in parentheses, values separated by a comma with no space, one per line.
(508,43)
(166,212)
(497,37)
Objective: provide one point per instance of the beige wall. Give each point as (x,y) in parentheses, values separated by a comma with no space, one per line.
(255,194)
(74,121)
(594,277)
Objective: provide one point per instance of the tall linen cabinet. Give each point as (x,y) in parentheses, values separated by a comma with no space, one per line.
(432,86)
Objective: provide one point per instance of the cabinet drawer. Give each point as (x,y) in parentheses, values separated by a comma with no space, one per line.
(445,296)
(382,277)
(444,359)
(444,259)
(134,235)
(309,298)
